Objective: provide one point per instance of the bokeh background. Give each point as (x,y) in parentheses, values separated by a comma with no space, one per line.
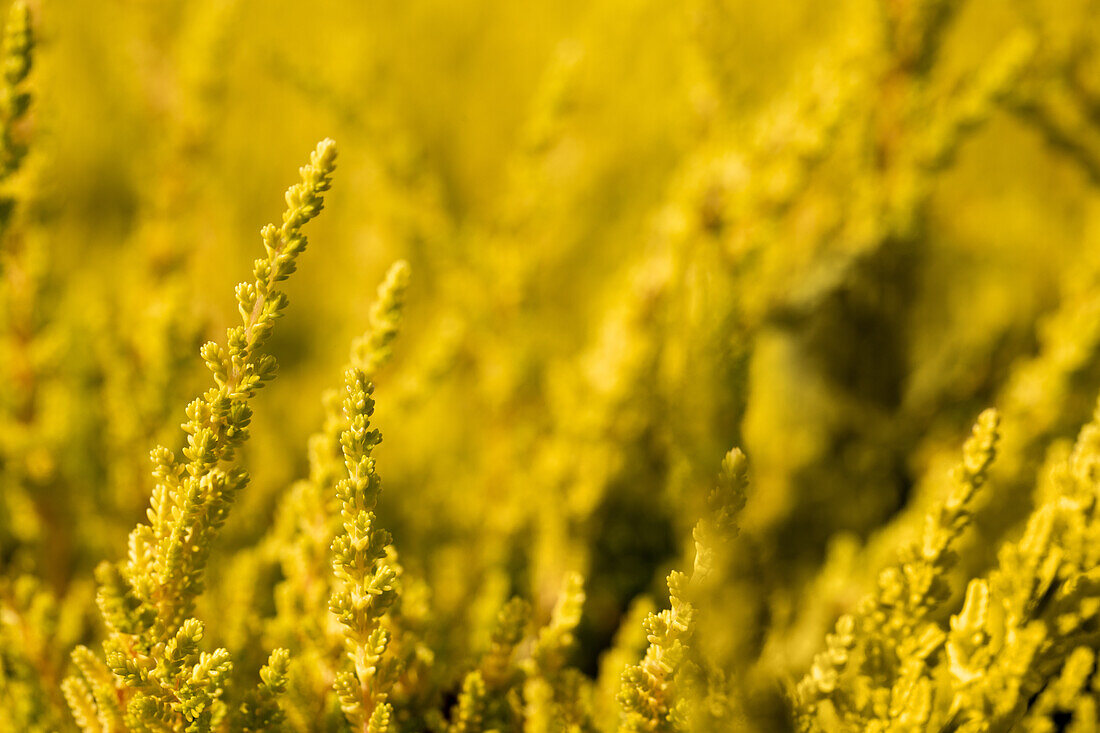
(640,233)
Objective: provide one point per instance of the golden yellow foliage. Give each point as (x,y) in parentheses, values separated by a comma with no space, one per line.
(629,235)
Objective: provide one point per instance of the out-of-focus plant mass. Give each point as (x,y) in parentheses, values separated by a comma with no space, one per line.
(737,365)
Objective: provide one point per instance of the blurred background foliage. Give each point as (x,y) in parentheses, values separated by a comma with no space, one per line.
(640,233)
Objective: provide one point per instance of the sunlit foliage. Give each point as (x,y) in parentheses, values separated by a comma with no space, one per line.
(737,366)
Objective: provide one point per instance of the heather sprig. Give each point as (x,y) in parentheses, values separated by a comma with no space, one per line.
(1035,614)
(491,694)
(371,351)
(366,581)
(878,663)
(261,710)
(310,519)
(555,694)
(655,694)
(191,500)
(156,675)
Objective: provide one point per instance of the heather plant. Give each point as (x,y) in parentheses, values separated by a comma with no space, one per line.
(614,240)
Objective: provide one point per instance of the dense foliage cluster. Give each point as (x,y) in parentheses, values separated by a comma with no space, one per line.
(737,365)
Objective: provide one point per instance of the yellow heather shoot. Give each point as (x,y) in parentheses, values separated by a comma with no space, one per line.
(879,662)
(654,696)
(161,677)
(366,581)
